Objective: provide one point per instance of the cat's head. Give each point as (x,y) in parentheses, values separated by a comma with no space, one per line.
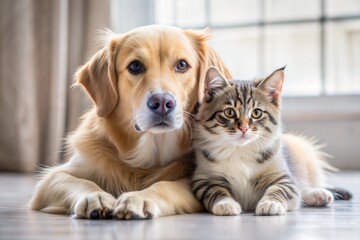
(241,112)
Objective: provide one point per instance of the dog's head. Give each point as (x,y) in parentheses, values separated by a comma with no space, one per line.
(149,78)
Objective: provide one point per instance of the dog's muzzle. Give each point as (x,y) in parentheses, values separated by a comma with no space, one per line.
(160,114)
(161,104)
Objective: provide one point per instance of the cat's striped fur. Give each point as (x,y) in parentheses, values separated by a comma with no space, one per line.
(243,162)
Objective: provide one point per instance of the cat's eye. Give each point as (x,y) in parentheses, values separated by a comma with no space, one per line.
(136,67)
(182,66)
(229,112)
(256,113)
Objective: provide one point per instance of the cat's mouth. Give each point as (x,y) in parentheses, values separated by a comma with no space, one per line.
(244,138)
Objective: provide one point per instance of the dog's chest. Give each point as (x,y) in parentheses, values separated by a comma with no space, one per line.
(155,150)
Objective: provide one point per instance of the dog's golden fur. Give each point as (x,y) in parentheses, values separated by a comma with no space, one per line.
(114,167)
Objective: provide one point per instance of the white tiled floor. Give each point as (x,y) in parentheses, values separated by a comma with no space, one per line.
(339,221)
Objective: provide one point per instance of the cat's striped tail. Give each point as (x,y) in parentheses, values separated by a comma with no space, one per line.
(340,193)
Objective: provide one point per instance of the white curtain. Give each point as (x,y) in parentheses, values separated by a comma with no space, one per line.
(42,42)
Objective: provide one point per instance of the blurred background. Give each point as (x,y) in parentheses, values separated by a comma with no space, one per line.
(43,42)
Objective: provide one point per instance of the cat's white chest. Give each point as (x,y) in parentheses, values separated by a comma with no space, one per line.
(239,169)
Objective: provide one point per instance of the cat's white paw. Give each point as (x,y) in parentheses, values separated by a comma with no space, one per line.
(317,197)
(226,207)
(133,205)
(269,207)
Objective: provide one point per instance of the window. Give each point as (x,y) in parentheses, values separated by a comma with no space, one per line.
(318,40)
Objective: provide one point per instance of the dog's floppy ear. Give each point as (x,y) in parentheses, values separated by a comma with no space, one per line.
(98,77)
(208,57)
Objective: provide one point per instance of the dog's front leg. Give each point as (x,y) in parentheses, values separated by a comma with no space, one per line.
(160,199)
(60,192)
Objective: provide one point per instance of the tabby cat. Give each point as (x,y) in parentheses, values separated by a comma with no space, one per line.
(244,162)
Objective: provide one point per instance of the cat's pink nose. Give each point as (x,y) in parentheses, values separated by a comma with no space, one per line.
(243,129)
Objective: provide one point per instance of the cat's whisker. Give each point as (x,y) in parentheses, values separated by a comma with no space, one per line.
(260,141)
(191,115)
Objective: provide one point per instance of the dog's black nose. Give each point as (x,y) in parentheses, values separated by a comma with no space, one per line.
(161,103)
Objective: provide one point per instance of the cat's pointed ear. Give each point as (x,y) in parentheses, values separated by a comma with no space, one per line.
(214,81)
(272,85)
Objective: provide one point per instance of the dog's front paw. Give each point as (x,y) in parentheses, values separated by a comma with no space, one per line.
(133,206)
(226,207)
(269,207)
(317,197)
(96,205)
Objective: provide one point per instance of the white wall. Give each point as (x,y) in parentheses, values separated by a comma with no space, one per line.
(334,120)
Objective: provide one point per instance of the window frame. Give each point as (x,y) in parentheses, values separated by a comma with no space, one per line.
(262,23)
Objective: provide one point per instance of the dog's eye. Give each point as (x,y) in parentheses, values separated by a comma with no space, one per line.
(181,66)
(136,67)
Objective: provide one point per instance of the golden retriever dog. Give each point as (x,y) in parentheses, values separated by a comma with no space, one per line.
(130,154)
